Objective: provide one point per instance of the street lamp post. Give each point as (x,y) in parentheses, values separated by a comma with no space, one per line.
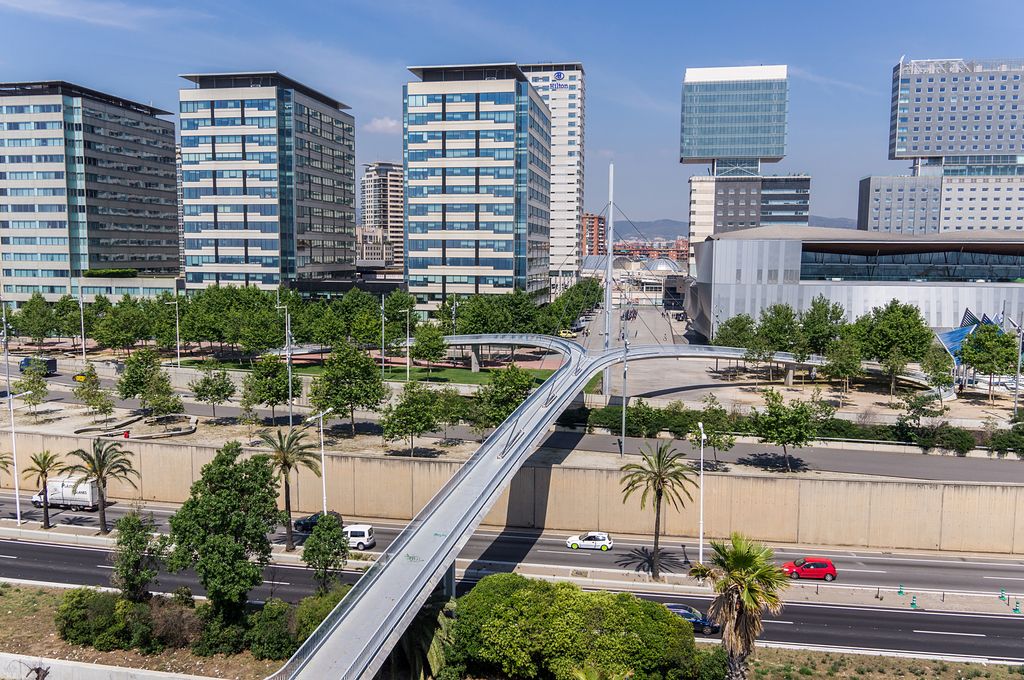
(323,467)
(700,522)
(177,329)
(288,355)
(1016,383)
(408,346)
(382,337)
(625,370)
(81,318)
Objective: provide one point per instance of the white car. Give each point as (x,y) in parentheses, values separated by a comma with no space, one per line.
(594,540)
(360,536)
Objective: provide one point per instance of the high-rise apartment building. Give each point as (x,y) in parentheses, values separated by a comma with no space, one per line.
(562,88)
(477,149)
(87,183)
(268,182)
(592,235)
(961,125)
(734,119)
(382,188)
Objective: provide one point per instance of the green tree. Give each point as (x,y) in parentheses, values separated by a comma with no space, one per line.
(737,331)
(105,462)
(92,394)
(399,311)
(990,351)
(125,324)
(508,388)
(35,319)
(717,427)
(842,360)
(32,385)
(412,416)
(822,323)
(350,380)
(778,330)
(223,529)
(137,554)
(288,452)
(938,366)
(783,424)
(894,335)
(44,465)
(67,319)
(261,328)
(661,475)
(747,583)
(214,386)
(138,373)
(429,345)
(159,398)
(326,552)
(268,383)
(450,407)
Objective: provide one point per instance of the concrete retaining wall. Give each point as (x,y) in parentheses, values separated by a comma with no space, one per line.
(864,513)
(18,665)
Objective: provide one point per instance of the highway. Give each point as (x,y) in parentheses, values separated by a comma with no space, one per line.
(976,636)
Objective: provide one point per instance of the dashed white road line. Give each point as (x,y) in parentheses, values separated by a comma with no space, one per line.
(948,632)
(788,623)
(8,557)
(278,583)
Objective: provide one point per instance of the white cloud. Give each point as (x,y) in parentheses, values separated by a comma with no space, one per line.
(101,12)
(384,126)
(827,82)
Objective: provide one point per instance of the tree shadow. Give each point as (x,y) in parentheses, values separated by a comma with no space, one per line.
(641,560)
(774,462)
(417,452)
(73,521)
(709,466)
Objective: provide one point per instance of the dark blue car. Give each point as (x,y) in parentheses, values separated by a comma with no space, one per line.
(700,623)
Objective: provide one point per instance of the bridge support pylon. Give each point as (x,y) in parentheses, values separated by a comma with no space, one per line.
(448,582)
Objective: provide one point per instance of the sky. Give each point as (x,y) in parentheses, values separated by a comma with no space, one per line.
(840,57)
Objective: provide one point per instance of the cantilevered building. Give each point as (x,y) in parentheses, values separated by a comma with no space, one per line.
(734,120)
(87,183)
(268,182)
(477,167)
(960,123)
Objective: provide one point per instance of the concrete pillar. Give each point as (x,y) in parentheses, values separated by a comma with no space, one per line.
(474,358)
(447,585)
(790,370)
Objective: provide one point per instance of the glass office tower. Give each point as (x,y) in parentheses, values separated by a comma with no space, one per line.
(477,152)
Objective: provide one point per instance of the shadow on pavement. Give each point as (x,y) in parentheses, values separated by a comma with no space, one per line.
(774,462)
(641,560)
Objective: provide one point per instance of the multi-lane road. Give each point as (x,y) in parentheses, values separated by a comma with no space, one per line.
(947,634)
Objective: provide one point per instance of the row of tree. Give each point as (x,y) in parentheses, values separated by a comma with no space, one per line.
(893,335)
(251,320)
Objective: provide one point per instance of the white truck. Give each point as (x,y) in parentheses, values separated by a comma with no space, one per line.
(61,493)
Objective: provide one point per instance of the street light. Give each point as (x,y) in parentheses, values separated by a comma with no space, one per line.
(81,317)
(382,337)
(177,329)
(323,466)
(288,354)
(700,523)
(625,370)
(408,350)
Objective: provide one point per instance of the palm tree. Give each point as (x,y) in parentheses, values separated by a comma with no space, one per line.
(44,464)
(746,583)
(663,474)
(287,453)
(106,462)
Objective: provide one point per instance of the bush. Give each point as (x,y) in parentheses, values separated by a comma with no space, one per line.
(269,635)
(572,417)
(175,625)
(84,614)
(679,420)
(711,664)
(183,596)
(1009,441)
(218,636)
(314,609)
(955,439)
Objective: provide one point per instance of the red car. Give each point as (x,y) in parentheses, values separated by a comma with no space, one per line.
(810,567)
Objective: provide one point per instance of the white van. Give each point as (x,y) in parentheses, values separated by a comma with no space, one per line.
(62,493)
(360,536)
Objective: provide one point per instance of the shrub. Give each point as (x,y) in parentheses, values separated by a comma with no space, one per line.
(573,416)
(183,596)
(1007,441)
(84,614)
(269,636)
(711,664)
(218,636)
(679,420)
(314,609)
(955,439)
(175,625)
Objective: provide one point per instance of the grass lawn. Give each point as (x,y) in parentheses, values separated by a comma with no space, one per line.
(436,374)
(27,627)
(794,664)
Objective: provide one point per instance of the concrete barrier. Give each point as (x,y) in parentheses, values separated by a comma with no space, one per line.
(19,666)
(872,513)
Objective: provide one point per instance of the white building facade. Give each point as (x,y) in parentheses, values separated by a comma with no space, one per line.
(562,87)
(477,149)
(382,188)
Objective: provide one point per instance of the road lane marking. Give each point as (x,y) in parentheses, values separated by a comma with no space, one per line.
(278,583)
(947,632)
(866,571)
(788,623)
(1004,578)
(8,557)
(104,566)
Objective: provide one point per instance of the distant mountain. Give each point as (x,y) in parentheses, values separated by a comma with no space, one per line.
(672,229)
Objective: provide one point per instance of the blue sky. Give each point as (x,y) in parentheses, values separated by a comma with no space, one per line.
(840,56)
